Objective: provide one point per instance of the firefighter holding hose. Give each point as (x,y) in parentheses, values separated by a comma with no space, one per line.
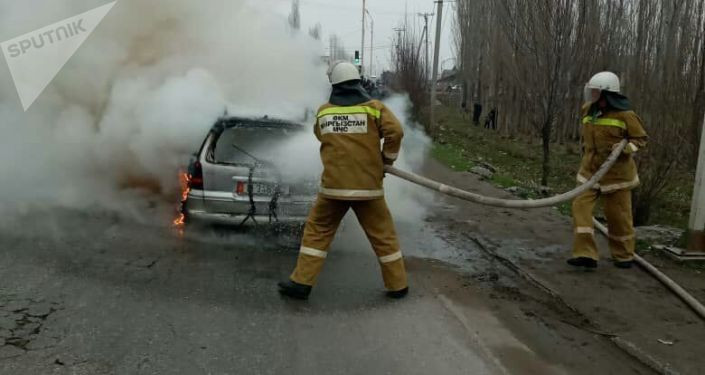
(350,127)
(607,119)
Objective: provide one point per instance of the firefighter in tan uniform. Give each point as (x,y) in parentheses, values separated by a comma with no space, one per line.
(350,128)
(607,119)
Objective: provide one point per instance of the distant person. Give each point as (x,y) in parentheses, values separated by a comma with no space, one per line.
(491,120)
(476,114)
(607,119)
(349,128)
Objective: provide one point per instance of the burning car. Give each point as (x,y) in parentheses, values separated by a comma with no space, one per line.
(232,179)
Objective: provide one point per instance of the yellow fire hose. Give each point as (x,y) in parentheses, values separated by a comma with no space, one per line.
(546,202)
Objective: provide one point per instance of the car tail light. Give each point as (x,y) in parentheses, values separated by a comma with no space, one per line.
(196,178)
(241,188)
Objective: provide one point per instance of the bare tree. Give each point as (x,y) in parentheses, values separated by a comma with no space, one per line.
(337,49)
(530,58)
(410,71)
(315,32)
(295,15)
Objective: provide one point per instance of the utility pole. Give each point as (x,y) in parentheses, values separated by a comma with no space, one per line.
(434,74)
(696,226)
(425,33)
(418,52)
(372,43)
(399,41)
(362,50)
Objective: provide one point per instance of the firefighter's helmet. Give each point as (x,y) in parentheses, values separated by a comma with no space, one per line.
(603,81)
(606,81)
(343,71)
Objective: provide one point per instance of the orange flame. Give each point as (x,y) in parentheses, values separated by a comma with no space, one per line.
(184,179)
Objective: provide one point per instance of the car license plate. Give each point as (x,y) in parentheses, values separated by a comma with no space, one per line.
(263,189)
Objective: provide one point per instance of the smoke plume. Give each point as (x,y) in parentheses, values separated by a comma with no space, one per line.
(139,96)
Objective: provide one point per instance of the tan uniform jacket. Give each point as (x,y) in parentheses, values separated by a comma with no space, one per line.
(599,134)
(353,160)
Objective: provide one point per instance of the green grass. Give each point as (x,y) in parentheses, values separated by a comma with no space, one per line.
(452,156)
(460,145)
(463,145)
(503,181)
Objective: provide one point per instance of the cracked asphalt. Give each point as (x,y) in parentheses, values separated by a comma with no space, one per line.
(98,294)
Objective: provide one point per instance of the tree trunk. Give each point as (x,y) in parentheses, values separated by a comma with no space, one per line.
(641,209)
(546,137)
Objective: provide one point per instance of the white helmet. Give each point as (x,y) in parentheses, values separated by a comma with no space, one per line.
(603,81)
(607,81)
(342,71)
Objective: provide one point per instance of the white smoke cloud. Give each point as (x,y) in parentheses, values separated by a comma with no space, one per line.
(408,202)
(140,95)
(142,92)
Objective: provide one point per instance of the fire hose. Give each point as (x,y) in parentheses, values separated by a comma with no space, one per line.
(665,280)
(693,303)
(511,203)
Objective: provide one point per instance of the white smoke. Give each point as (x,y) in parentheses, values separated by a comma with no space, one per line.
(140,95)
(408,202)
(142,92)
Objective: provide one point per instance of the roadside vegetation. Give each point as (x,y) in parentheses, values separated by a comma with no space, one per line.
(461,145)
(526,62)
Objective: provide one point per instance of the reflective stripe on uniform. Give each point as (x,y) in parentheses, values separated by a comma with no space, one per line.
(348,193)
(376,113)
(585,230)
(582,180)
(390,258)
(313,252)
(621,238)
(391,156)
(612,187)
(620,186)
(604,122)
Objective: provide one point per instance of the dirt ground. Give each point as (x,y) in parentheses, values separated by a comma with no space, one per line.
(625,306)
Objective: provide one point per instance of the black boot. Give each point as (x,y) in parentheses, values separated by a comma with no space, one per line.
(294,290)
(398,294)
(624,264)
(582,262)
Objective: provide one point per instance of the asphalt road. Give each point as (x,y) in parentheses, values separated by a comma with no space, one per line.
(98,294)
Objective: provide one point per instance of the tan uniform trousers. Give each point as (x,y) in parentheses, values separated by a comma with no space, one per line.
(618,210)
(376,221)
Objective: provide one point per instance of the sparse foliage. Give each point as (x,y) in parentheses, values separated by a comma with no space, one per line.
(410,71)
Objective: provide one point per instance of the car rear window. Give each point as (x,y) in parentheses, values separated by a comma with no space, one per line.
(235,144)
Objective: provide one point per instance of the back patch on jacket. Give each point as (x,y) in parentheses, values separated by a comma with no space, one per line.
(343,124)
